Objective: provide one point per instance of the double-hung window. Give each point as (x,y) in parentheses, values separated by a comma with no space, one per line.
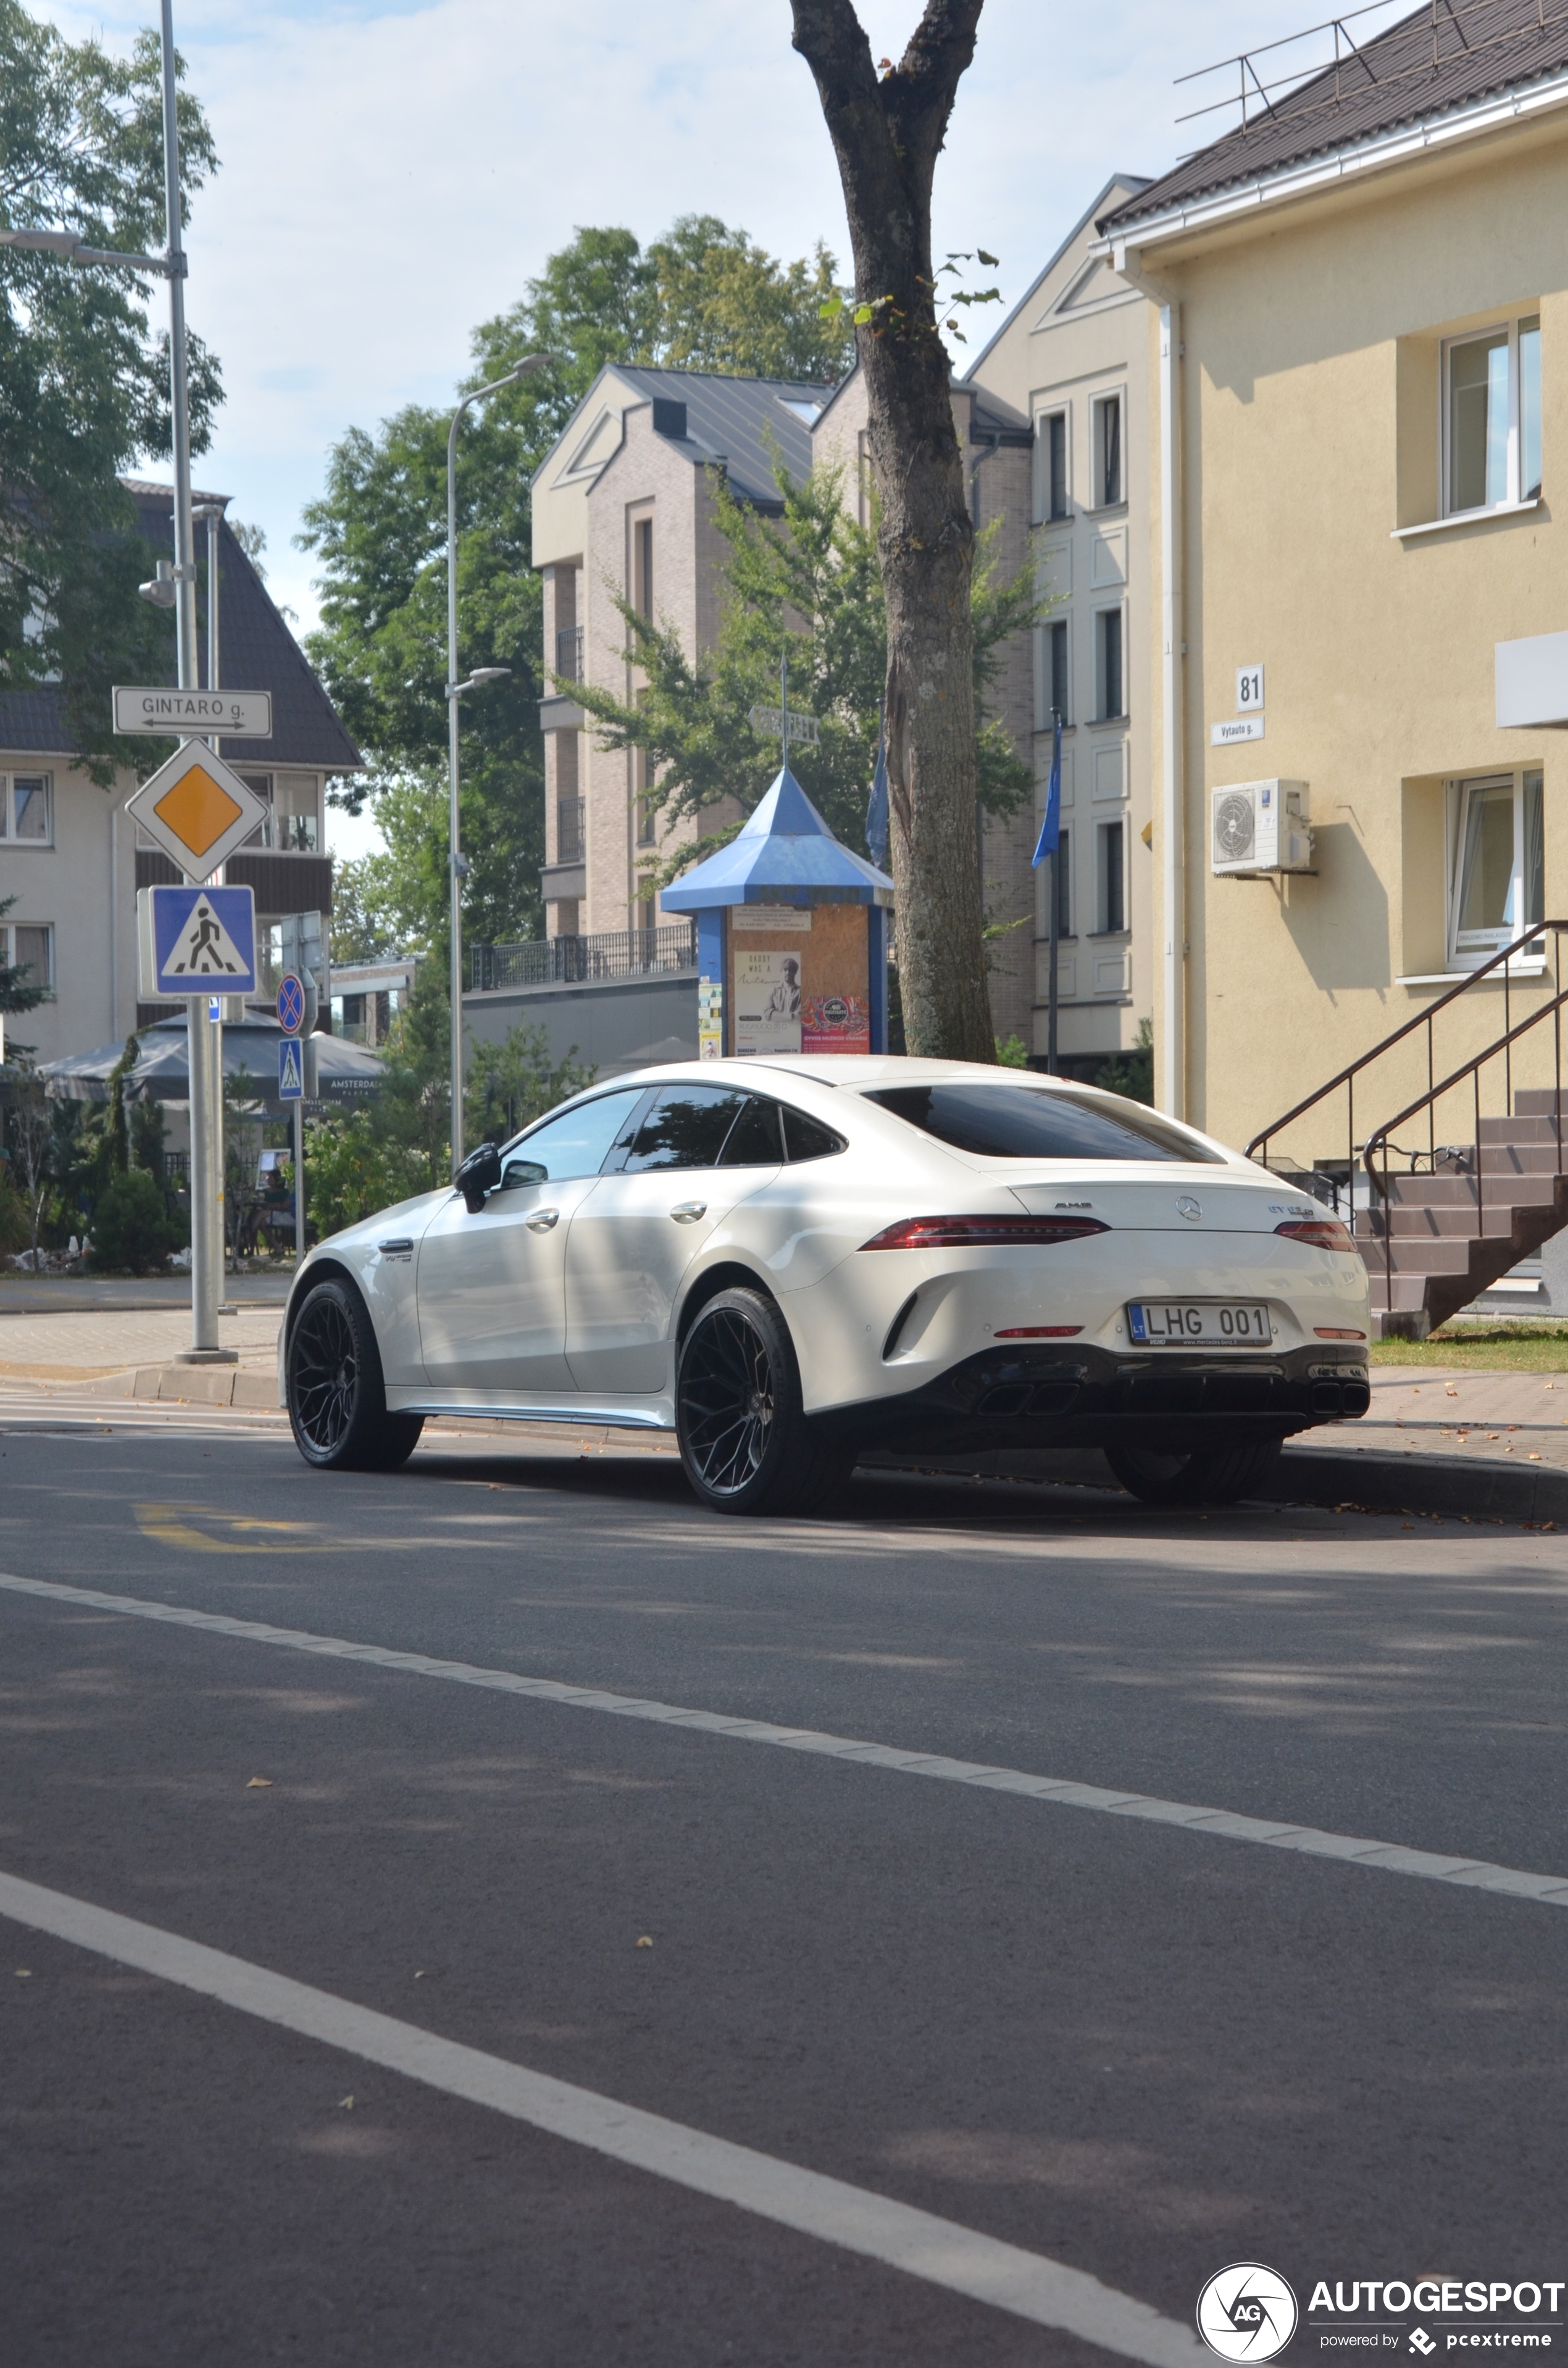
(1108,486)
(1111,867)
(1492,417)
(27,817)
(1053,464)
(1058,700)
(29,946)
(1498,887)
(1110,700)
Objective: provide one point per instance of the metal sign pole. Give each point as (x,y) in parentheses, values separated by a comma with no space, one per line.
(206,1076)
(299,1181)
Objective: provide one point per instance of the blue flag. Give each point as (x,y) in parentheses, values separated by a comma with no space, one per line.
(876,808)
(1051,828)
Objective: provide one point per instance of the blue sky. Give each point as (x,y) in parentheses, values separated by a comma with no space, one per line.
(393,174)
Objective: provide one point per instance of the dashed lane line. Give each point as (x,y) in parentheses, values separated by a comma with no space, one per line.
(1387,1858)
(943,2252)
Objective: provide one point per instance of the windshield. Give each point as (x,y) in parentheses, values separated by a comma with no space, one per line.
(1007,1121)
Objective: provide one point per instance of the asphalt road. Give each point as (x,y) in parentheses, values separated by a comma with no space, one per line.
(1140,2051)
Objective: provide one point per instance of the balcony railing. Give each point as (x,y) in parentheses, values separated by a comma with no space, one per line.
(568,814)
(569,653)
(615,953)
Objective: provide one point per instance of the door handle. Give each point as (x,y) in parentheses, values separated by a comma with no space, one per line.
(687,1213)
(542,1220)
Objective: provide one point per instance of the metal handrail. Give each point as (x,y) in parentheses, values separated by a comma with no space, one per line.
(1378,1139)
(1258,1147)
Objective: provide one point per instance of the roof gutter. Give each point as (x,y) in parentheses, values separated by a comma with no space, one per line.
(1171,1048)
(1376,153)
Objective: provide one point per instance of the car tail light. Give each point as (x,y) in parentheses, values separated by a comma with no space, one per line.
(1336,1332)
(1320,1233)
(1039,1332)
(980,1232)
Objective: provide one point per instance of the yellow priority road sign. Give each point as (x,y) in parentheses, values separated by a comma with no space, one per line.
(196,810)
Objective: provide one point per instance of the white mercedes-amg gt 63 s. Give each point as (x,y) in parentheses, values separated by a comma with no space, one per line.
(787,1261)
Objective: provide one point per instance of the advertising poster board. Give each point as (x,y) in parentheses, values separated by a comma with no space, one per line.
(767,1002)
(835,1023)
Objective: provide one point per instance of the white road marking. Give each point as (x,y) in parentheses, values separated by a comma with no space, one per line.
(943,2252)
(1389,1858)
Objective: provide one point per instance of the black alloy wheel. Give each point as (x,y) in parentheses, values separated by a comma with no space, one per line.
(337,1403)
(744,1441)
(1213,1475)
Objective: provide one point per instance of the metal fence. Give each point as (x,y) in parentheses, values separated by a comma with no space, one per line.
(615,953)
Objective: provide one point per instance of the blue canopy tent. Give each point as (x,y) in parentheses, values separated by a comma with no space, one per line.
(785,855)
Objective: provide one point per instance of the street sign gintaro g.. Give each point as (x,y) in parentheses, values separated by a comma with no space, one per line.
(156,708)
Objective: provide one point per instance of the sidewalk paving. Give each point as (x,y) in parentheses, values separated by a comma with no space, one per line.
(1438,1439)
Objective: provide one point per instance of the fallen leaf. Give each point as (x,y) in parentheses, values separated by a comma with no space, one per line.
(259,1784)
(1534,1458)
(24,1973)
(419,1977)
(1407,1525)
(645,1941)
(1493,1434)
(1453,1393)
(346,2104)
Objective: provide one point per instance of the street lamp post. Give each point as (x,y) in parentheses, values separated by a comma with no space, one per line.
(457,863)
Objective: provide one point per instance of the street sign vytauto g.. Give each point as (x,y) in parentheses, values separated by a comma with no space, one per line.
(198,810)
(194,940)
(156,708)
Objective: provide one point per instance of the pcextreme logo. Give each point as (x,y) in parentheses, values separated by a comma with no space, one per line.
(1246,2312)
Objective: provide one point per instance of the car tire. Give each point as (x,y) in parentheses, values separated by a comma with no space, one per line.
(745,1443)
(1213,1475)
(338,1400)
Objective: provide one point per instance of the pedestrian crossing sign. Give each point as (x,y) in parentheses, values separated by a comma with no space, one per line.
(290,1069)
(197,941)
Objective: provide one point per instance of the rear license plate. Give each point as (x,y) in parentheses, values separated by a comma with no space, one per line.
(1199,1323)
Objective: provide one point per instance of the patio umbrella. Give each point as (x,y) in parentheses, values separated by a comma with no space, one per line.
(348,1072)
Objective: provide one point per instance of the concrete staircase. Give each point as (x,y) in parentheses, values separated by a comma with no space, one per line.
(1428,1236)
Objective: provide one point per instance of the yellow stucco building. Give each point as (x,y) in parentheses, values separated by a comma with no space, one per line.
(1359,391)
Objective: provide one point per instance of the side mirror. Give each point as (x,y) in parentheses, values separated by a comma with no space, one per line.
(480,1173)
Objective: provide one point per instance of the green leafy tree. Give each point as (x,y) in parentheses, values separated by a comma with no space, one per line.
(353,1168)
(511,1084)
(132,1225)
(702,297)
(83,377)
(809,586)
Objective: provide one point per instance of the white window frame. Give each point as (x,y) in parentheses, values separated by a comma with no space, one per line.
(1114,399)
(1062,411)
(1047,644)
(1514,496)
(1103,714)
(8,834)
(1481,944)
(8,929)
(1103,831)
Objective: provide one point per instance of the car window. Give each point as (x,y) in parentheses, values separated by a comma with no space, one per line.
(754,1140)
(685,1127)
(1006,1121)
(575,1143)
(805,1138)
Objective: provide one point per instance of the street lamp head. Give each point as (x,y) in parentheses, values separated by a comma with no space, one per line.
(42,242)
(527,369)
(160,589)
(489,674)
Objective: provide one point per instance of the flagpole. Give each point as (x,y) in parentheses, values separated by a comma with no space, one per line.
(1051,1066)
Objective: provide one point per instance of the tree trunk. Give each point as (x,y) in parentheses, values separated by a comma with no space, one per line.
(887,135)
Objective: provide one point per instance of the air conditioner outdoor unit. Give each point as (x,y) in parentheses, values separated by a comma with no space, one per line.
(1261,826)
